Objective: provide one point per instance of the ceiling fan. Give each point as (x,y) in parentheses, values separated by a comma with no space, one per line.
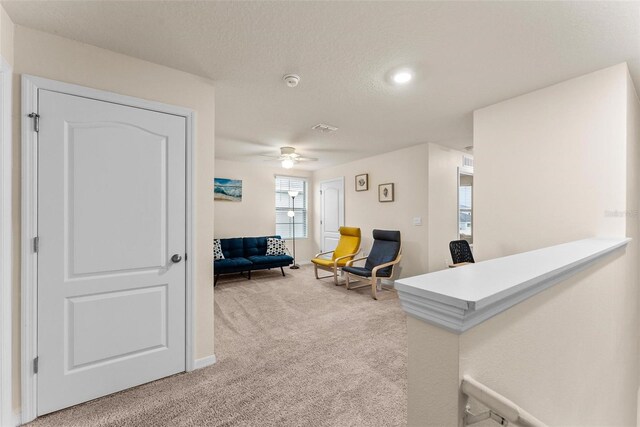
(288,157)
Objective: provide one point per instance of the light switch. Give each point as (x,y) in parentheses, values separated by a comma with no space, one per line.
(417,220)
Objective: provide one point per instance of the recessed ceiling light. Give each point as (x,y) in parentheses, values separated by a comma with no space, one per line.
(401,77)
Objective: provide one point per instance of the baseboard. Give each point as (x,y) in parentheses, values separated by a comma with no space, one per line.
(204,362)
(17,419)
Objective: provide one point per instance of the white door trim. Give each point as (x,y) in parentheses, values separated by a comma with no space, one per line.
(344,207)
(463,170)
(30,86)
(6,285)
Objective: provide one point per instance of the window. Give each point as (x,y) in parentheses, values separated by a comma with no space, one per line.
(284,204)
(465,207)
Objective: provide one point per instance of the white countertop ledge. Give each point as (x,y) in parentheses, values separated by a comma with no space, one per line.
(460,298)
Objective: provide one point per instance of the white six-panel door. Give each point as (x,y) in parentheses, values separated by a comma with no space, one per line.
(332,212)
(111,214)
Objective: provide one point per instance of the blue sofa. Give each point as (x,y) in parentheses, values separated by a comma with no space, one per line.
(247,254)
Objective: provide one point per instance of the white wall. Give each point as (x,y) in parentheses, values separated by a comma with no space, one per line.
(553,166)
(407,169)
(65,60)
(255,214)
(433,388)
(549,164)
(6,35)
(425,178)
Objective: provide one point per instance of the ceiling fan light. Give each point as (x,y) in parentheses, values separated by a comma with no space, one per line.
(287,163)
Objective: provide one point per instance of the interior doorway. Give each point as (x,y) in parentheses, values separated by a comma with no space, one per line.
(465,204)
(331,212)
(106,230)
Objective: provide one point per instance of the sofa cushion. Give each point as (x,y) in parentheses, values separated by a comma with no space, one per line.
(232,248)
(267,260)
(217,250)
(276,247)
(232,264)
(255,245)
(358,271)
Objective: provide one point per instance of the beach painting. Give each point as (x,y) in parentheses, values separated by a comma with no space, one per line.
(227,189)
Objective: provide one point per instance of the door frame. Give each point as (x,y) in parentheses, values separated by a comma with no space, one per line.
(6,239)
(29,262)
(344,207)
(463,170)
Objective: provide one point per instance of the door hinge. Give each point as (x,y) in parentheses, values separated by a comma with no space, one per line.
(36,244)
(36,121)
(321,192)
(35,365)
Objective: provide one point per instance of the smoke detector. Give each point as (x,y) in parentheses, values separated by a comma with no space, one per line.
(324,128)
(291,80)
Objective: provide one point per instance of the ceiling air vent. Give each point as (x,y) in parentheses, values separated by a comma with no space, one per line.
(324,128)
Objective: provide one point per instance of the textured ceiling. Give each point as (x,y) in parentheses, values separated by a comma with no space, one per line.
(465,56)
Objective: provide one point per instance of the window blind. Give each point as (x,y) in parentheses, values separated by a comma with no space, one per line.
(284,203)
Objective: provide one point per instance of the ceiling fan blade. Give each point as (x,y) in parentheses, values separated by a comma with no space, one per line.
(270,156)
(287,153)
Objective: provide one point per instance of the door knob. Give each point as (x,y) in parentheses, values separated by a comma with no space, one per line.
(176,258)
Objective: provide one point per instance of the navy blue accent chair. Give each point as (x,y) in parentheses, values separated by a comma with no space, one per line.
(385,254)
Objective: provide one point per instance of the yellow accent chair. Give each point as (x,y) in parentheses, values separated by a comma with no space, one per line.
(348,247)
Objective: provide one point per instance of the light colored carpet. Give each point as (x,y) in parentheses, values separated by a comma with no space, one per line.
(292,351)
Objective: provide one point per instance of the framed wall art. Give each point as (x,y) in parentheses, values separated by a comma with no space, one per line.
(362,182)
(385,192)
(227,189)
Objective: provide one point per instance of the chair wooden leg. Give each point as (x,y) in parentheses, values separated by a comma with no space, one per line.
(249,275)
(374,287)
(282,269)
(215,280)
(335,276)
(315,270)
(348,281)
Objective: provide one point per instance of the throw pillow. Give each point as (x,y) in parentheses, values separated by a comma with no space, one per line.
(276,246)
(217,250)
